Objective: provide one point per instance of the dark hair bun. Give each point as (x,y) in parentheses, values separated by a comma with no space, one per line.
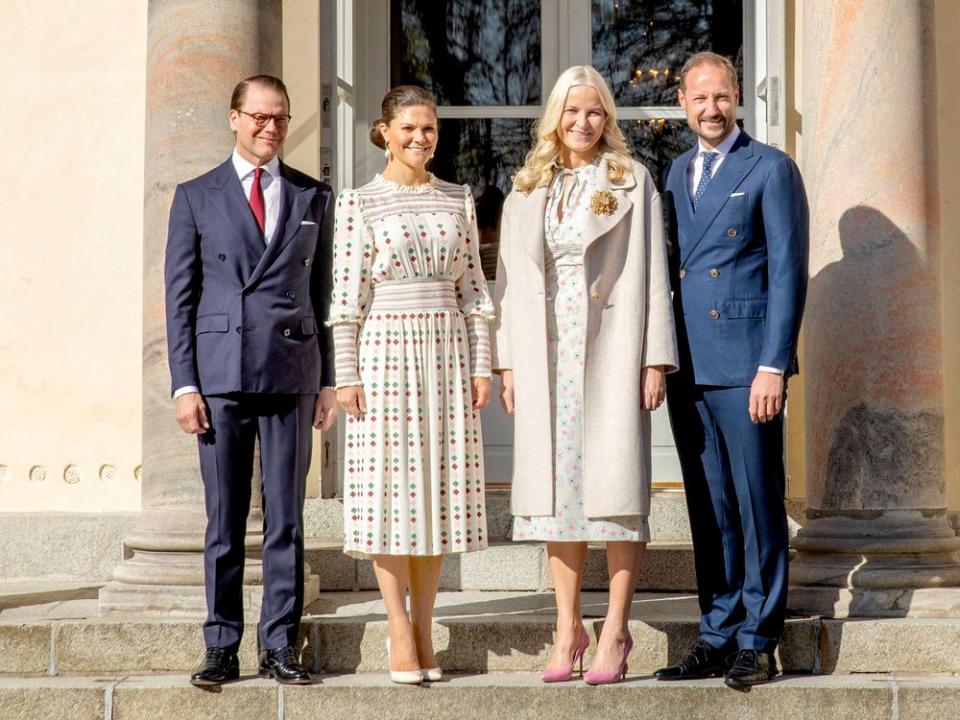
(376,137)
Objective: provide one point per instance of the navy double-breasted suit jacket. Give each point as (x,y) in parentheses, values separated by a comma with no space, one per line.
(738,265)
(244,315)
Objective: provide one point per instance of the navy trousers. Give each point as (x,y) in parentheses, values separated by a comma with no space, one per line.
(283,424)
(734,480)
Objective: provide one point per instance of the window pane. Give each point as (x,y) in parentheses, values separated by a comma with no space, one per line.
(468,52)
(639,46)
(484,154)
(656,142)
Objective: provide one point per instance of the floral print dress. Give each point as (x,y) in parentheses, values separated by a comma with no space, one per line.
(410,312)
(566,298)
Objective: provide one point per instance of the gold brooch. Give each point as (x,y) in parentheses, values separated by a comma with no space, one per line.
(603,203)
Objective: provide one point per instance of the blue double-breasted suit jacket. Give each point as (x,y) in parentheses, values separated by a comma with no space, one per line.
(244,315)
(738,265)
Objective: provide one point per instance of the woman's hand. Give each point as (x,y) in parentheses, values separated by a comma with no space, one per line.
(352,401)
(653,386)
(481,392)
(506,391)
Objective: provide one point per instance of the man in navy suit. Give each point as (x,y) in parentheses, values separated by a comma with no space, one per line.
(248,280)
(738,225)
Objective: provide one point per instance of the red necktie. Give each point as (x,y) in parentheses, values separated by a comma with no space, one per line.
(256,199)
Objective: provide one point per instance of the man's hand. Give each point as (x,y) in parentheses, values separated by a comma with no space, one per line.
(480,386)
(653,387)
(766,396)
(325,411)
(352,401)
(506,391)
(191,413)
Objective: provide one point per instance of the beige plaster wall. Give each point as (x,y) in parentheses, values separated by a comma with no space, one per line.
(948,109)
(70,271)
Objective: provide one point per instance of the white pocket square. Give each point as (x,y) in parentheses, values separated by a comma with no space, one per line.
(311,222)
(737,194)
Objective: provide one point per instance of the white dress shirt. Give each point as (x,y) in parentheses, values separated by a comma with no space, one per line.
(695,168)
(272,195)
(694,173)
(271,185)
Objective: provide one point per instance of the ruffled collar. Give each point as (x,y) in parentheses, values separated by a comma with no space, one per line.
(397,187)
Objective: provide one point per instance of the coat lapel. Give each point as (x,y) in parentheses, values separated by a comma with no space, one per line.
(736,166)
(598,225)
(294,202)
(227,195)
(531,218)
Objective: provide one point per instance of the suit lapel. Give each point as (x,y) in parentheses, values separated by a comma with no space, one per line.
(294,201)
(680,187)
(597,225)
(227,195)
(736,166)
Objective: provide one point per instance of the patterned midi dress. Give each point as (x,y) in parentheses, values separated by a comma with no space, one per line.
(566,299)
(410,313)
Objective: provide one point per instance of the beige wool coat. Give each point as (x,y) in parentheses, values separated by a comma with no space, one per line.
(629,326)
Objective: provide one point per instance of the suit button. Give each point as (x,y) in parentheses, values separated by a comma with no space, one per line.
(714,273)
(221,257)
(290,294)
(715,314)
(306,261)
(595,295)
(286,332)
(731,232)
(238,329)
(683,274)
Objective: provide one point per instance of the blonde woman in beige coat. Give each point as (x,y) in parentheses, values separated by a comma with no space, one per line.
(585,336)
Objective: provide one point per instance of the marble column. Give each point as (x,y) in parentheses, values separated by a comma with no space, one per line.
(875,541)
(196,52)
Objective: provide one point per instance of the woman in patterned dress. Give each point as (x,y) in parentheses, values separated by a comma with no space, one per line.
(410,313)
(581,238)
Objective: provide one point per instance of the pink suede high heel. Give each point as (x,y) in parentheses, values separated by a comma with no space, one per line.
(564,674)
(614,676)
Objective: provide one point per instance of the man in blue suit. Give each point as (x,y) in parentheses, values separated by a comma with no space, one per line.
(248,280)
(738,224)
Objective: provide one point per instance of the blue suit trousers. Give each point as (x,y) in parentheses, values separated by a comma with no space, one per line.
(734,480)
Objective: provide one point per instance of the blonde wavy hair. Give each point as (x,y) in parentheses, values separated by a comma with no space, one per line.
(538,168)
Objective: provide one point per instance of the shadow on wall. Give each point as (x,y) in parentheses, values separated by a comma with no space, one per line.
(884,451)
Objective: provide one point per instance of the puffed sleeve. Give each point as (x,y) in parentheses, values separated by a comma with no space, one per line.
(353,255)
(473,296)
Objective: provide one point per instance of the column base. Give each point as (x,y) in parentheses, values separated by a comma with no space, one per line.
(162,573)
(900,563)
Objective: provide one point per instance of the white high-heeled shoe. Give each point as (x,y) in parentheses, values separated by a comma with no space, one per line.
(434,674)
(404,677)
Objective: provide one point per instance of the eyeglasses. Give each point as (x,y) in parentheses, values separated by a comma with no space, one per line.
(261,120)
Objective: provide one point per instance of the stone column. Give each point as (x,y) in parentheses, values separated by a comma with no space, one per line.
(196,52)
(875,541)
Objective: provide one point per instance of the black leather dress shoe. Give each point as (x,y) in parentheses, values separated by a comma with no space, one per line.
(751,667)
(219,666)
(282,665)
(703,660)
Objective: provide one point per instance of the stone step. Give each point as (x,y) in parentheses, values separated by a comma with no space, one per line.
(519,696)
(506,566)
(474,632)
